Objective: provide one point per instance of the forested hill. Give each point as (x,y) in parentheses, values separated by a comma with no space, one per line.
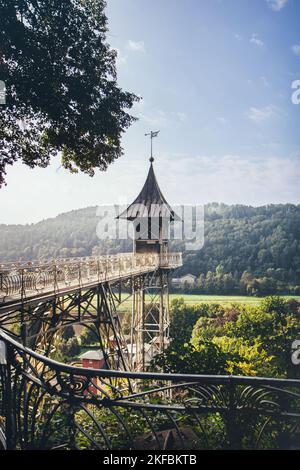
(258,246)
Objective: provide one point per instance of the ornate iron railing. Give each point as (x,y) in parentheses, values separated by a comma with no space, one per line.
(48,405)
(19,280)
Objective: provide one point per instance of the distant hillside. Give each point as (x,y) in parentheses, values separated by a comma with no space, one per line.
(241,243)
(69,234)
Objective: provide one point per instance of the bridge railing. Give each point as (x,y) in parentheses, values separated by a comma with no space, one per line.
(45,404)
(24,279)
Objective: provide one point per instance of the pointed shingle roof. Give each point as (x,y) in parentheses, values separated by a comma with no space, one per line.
(150,202)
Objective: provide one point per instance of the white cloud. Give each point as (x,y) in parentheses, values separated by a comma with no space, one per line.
(260,115)
(136,46)
(132,46)
(181,116)
(255,40)
(296,49)
(238,37)
(162,118)
(277,5)
(158,118)
(265,81)
(231,179)
(222,119)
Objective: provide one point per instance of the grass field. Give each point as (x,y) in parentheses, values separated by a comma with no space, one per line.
(224,299)
(192,299)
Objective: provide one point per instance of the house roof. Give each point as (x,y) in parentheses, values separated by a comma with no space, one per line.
(92,355)
(150,202)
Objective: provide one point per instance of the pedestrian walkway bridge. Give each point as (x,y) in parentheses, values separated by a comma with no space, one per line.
(24,282)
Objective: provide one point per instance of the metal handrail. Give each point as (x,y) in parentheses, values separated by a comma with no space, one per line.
(24,278)
(159,376)
(255,408)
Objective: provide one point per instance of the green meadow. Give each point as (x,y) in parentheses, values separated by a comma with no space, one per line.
(193,299)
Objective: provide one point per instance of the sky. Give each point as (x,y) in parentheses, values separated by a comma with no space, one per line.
(215,77)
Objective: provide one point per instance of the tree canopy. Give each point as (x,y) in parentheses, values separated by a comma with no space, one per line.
(236,339)
(61,86)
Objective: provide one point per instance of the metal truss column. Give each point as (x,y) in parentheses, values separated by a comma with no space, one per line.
(137,350)
(150,318)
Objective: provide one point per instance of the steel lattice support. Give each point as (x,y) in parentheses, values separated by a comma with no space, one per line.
(38,318)
(150,318)
(40,325)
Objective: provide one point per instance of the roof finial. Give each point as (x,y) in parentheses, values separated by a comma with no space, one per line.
(152,134)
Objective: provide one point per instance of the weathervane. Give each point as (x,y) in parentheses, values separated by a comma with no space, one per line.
(152,134)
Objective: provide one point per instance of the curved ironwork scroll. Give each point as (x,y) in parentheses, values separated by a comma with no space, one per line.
(48,405)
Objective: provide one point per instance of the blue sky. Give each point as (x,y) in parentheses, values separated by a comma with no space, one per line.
(215,77)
